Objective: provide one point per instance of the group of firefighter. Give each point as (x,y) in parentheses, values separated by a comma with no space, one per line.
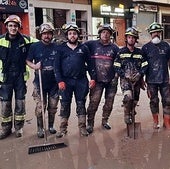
(63,70)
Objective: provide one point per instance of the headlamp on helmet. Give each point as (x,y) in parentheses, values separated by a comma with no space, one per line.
(133,32)
(155,27)
(13,18)
(105,27)
(70,26)
(45,27)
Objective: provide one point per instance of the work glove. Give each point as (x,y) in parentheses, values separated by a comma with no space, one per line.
(92,84)
(61,85)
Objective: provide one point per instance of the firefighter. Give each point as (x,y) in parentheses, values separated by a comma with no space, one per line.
(131,67)
(103,53)
(41,57)
(70,70)
(13,76)
(157,52)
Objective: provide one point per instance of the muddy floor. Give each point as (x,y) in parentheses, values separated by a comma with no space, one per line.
(104,149)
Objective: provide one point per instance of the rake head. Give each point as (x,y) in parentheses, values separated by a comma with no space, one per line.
(45,147)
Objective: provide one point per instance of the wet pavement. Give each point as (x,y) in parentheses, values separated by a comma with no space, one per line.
(104,149)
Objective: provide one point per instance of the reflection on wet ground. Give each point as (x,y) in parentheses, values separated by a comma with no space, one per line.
(103,149)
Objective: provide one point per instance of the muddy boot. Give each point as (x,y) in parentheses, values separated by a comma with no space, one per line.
(155,121)
(6,129)
(90,126)
(167,121)
(128,119)
(63,127)
(18,133)
(40,129)
(51,118)
(5,133)
(82,125)
(105,118)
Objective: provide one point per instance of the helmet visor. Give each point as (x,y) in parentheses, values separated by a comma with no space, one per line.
(45,28)
(70,26)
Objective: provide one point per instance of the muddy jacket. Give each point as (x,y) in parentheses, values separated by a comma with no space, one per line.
(103,57)
(73,64)
(130,62)
(13,57)
(158,57)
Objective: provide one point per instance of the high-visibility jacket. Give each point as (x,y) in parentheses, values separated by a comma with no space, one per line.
(23,45)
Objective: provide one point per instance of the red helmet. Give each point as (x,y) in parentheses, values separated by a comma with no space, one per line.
(13,18)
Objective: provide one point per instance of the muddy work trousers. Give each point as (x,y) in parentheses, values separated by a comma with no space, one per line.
(50,100)
(152,91)
(131,94)
(14,83)
(95,98)
(78,87)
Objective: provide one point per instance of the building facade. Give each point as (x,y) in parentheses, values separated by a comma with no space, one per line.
(19,7)
(60,12)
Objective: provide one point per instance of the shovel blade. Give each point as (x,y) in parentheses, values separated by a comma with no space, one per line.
(134,130)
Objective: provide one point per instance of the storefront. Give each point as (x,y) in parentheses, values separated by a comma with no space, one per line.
(18,7)
(118,14)
(147,12)
(59,13)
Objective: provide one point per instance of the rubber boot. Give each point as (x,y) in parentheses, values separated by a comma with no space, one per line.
(40,129)
(51,118)
(167,121)
(63,127)
(90,126)
(82,125)
(155,121)
(105,118)
(6,130)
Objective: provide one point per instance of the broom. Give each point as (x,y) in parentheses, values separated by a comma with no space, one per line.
(46,146)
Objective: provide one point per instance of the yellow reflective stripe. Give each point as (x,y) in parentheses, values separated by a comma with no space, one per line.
(137,56)
(1,74)
(20,117)
(125,55)
(4,42)
(144,63)
(30,40)
(27,73)
(6,119)
(117,64)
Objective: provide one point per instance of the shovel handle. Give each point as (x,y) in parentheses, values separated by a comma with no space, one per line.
(42,103)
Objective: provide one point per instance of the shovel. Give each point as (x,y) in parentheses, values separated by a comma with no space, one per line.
(46,146)
(134,128)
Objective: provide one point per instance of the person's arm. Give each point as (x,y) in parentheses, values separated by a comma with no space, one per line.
(30,59)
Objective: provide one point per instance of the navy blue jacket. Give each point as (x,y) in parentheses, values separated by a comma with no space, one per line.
(103,57)
(158,57)
(73,63)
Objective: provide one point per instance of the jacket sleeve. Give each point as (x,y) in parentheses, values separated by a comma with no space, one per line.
(118,66)
(90,64)
(58,68)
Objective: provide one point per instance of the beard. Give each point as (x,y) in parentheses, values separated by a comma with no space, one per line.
(73,41)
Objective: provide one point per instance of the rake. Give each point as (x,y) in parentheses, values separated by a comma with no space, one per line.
(46,146)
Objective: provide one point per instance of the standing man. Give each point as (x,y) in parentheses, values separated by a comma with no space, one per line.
(157,52)
(131,67)
(71,77)
(103,52)
(13,75)
(41,57)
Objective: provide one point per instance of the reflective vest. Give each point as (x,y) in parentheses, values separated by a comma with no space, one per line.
(4,43)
